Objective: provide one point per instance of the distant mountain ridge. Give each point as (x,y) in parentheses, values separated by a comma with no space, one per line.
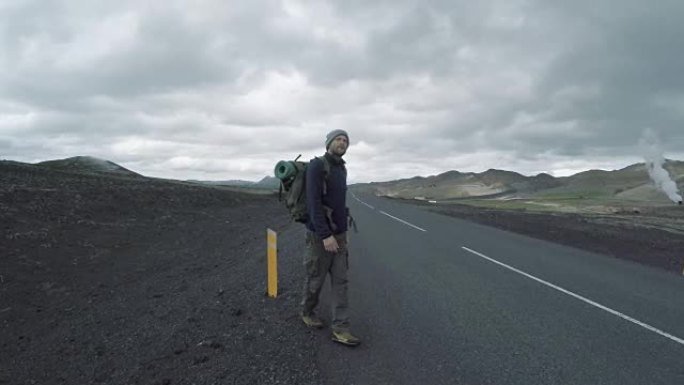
(267,182)
(631,182)
(87,164)
(93,165)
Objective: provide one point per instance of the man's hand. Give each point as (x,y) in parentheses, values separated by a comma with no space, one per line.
(330,244)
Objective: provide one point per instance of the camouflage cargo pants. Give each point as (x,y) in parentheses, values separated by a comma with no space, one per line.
(318,264)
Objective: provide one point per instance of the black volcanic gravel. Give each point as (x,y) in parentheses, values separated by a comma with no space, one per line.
(651,236)
(113,280)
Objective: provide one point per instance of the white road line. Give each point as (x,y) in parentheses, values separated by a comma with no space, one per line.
(403,221)
(590,302)
(362,202)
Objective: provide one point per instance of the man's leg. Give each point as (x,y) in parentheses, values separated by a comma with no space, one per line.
(340,301)
(339,284)
(316,263)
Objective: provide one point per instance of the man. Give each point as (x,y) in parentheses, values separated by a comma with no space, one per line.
(326,238)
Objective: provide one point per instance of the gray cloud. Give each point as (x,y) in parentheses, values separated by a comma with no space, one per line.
(225,89)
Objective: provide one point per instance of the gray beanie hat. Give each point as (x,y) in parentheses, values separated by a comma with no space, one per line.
(334,134)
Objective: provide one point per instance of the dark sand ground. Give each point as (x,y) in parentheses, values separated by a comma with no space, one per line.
(138,281)
(651,235)
(114,280)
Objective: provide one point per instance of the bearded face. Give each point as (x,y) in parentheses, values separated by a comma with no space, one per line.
(339,145)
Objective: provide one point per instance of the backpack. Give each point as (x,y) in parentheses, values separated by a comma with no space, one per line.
(292,175)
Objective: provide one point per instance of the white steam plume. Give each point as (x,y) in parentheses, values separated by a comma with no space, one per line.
(653,154)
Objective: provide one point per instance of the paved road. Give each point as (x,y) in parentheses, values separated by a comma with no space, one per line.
(438,300)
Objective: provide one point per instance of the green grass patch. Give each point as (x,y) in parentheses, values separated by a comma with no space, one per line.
(574,195)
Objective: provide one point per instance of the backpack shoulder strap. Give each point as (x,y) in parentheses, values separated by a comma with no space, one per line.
(326,166)
(326,172)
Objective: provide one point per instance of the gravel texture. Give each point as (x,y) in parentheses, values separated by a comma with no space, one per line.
(111,280)
(116,280)
(653,236)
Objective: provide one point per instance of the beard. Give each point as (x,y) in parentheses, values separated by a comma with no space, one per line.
(339,150)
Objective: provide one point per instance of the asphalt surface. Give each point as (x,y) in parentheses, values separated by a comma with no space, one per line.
(438,300)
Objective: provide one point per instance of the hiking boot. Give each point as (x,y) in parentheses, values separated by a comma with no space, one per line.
(346,338)
(312,321)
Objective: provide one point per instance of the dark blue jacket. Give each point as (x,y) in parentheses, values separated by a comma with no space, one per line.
(335,197)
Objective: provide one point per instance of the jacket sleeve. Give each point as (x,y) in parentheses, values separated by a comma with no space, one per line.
(315,176)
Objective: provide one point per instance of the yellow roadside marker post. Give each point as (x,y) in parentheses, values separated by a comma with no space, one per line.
(272,247)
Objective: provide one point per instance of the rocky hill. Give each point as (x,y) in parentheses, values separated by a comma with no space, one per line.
(631,182)
(87,164)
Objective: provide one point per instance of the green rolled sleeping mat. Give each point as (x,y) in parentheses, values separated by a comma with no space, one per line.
(285,169)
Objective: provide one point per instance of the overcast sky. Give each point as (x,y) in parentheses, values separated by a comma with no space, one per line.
(225,89)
